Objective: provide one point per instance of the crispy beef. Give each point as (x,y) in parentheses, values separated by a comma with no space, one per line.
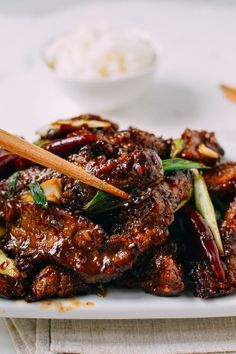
(164,276)
(179,184)
(222,179)
(228,232)
(136,169)
(11,288)
(54,281)
(133,138)
(158,272)
(193,139)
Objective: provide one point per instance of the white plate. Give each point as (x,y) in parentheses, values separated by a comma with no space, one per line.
(197,56)
(121,304)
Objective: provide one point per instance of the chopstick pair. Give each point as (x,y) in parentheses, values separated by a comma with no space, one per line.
(45,158)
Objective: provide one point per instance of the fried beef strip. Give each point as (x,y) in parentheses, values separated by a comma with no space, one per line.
(11,288)
(179,184)
(222,179)
(54,281)
(228,232)
(136,169)
(158,272)
(204,282)
(193,140)
(164,275)
(134,138)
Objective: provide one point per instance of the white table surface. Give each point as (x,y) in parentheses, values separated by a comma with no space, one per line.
(197,53)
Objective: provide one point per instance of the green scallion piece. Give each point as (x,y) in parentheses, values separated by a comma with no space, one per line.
(177,163)
(205,207)
(177,147)
(103,202)
(12,184)
(41,142)
(38,194)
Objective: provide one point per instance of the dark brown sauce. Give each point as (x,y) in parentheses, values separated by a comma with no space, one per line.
(64,307)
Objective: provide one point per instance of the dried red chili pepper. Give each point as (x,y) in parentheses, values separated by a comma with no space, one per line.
(203,241)
(22,164)
(60,128)
(63,147)
(60,133)
(7,164)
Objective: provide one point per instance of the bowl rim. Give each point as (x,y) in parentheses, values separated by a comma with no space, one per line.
(146,71)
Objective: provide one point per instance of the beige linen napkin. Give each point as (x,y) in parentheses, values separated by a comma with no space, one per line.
(216,335)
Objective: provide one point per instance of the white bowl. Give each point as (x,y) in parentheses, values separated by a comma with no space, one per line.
(104,94)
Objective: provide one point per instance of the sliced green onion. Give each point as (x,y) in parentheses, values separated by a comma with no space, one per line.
(38,194)
(41,142)
(7,266)
(12,184)
(51,188)
(204,150)
(102,202)
(177,163)
(177,147)
(206,209)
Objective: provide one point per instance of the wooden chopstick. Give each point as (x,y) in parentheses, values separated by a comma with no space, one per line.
(45,158)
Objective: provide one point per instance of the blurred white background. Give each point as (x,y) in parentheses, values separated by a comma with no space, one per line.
(197,52)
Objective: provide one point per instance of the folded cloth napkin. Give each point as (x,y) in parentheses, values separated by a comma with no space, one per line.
(216,335)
